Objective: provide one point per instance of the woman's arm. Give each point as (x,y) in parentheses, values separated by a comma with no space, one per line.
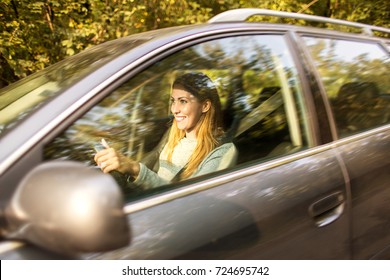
(220,158)
(109,160)
(148,179)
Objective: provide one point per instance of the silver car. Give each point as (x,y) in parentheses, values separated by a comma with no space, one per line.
(307,108)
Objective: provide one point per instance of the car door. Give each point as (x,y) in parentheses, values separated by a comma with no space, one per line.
(285,199)
(356,81)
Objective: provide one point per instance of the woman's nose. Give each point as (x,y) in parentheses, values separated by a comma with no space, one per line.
(175,108)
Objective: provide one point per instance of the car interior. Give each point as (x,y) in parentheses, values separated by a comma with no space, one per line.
(359,106)
(137,124)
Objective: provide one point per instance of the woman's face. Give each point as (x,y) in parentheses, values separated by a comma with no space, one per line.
(187,110)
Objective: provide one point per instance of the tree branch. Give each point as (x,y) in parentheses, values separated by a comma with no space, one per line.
(15,8)
(49,16)
(307,6)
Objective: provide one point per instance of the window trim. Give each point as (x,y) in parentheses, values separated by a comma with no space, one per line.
(289,105)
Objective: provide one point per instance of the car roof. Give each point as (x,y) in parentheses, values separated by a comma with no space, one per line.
(239,15)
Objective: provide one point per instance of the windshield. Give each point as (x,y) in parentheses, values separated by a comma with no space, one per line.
(19,99)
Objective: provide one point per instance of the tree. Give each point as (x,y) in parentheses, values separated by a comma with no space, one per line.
(35,34)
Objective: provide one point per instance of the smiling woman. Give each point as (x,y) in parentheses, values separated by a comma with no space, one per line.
(204,103)
(195,143)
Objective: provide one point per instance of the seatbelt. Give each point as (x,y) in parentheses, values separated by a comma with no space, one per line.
(260,112)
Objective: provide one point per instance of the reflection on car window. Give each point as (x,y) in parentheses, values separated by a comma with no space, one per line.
(22,97)
(258,87)
(356,80)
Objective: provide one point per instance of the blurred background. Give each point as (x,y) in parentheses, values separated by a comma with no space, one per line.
(36,34)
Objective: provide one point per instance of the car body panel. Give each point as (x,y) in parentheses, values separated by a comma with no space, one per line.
(367,163)
(195,226)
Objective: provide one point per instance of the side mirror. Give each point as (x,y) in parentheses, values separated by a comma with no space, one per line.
(68,208)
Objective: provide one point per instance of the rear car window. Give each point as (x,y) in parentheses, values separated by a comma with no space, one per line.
(356,81)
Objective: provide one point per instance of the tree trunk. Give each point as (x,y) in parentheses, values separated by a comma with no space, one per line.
(7,74)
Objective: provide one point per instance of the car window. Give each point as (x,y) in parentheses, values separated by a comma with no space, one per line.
(262,105)
(18,100)
(356,80)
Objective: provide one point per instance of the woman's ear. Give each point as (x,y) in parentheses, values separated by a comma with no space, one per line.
(206,106)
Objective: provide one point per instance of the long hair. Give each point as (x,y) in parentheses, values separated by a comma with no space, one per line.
(209,128)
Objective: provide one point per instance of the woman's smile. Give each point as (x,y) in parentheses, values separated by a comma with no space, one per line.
(180,118)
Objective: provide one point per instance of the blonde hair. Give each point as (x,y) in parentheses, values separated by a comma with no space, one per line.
(209,127)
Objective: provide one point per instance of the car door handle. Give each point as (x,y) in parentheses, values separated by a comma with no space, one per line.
(327,209)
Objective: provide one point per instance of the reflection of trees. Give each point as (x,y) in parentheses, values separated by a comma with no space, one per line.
(51,81)
(354,84)
(336,70)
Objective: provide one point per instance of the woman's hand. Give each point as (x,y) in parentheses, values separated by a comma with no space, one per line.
(109,160)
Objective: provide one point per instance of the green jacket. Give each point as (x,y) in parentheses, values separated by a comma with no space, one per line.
(220,158)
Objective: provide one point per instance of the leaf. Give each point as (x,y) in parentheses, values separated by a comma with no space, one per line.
(70,51)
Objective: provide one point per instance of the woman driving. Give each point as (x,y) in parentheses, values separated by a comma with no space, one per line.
(195,143)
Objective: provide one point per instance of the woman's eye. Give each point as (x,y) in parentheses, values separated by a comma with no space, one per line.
(180,101)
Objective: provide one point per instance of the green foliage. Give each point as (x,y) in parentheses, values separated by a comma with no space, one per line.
(35,34)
